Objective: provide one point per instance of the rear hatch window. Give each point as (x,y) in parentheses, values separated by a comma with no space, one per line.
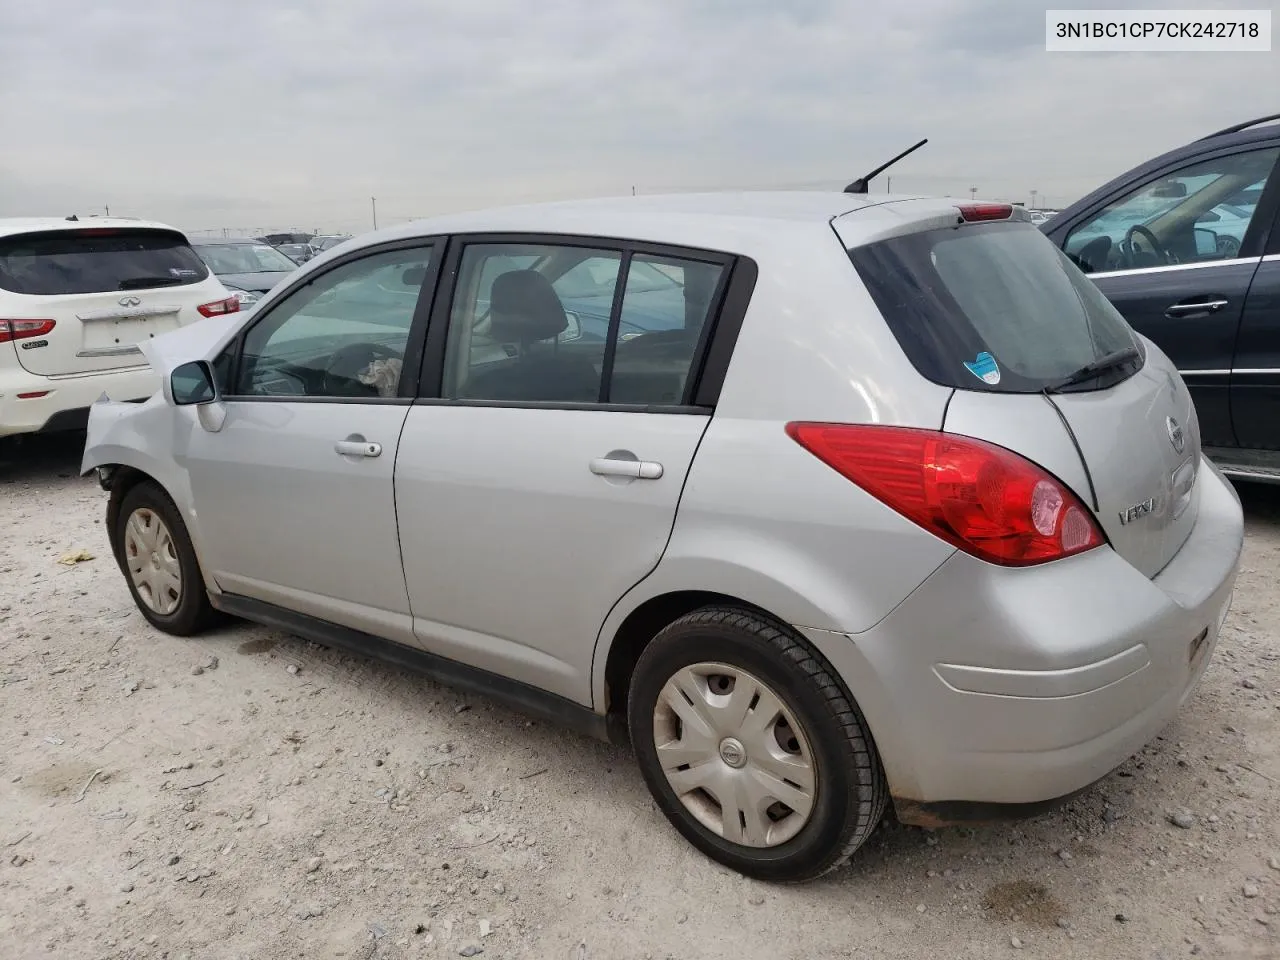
(993,307)
(64,262)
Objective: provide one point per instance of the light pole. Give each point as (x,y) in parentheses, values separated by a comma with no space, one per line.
(1033,199)
(973,193)
(373,202)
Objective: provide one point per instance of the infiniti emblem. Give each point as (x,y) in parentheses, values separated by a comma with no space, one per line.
(1176,436)
(129,301)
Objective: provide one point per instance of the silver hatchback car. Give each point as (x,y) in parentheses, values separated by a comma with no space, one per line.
(823,502)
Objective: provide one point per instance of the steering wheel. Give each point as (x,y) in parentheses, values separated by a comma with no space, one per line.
(341,373)
(1131,252)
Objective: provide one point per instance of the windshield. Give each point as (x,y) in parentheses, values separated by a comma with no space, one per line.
(992,307)
(96,260)
(225,258)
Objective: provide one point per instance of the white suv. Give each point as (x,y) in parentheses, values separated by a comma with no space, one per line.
(76,299)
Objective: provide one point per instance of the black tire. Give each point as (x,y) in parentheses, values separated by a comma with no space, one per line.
(193,613)
(850,791)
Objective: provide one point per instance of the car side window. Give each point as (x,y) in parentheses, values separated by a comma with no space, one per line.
(666,305)
(1197,214)
(342,335)
(529,322)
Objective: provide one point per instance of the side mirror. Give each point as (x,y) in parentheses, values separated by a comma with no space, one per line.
(414,276)
(192,383)
(1206,242)
(573,331)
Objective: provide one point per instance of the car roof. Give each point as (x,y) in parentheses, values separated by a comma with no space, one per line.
(11,226)
(228,241)
(710,220)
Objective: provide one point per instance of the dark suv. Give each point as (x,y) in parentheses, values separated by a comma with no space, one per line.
(1187,248)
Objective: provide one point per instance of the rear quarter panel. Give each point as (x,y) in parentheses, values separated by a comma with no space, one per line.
(763,520)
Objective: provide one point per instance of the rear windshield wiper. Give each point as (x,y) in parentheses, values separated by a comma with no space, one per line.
(139,283)
(1095,368)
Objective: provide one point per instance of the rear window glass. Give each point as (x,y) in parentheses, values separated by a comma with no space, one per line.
(993,307)
(97,261)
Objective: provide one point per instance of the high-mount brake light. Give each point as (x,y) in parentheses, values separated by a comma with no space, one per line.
(982,212)
(984,499)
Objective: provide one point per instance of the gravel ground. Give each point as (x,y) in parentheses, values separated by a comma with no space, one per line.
(249,795)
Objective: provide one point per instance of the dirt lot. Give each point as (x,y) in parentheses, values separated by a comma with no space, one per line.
(248,795)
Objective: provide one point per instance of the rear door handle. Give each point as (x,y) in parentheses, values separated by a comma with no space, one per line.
(635,469)
(358,448)
(1200,306)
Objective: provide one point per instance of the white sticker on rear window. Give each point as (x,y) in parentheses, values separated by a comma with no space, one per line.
(183,272)
(985,368)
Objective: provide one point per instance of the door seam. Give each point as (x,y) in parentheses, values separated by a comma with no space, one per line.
(595,648)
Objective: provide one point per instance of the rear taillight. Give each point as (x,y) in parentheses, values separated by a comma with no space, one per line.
(980,212)
(984,499)
(22,329)
(218,307)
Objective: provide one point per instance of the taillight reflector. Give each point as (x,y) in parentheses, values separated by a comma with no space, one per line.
(218,307)
(979,212)
(22,329)
(982,498)
(34,394)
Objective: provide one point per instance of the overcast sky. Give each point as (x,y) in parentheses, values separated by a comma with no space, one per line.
(274,113)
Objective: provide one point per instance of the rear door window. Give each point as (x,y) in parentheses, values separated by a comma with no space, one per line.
(96,260)
(992,307)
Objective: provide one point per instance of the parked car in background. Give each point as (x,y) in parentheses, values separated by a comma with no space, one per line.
(297,252)
(275,239)
(1187,247)
(76,300)
(806,559)
(325,242)
(248,268)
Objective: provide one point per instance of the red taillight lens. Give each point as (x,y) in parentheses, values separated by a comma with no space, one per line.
(22,329)
(978,212)
(218,307)
(984,499)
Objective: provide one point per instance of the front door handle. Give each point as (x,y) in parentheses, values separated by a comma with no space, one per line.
(634,469)
(1199,306)
(358,448)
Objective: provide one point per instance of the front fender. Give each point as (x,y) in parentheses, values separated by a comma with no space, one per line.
(143,437)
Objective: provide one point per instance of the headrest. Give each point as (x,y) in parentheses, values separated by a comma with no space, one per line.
(524,307)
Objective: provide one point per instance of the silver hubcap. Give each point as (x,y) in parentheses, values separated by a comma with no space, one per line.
(734,754)
(153,561)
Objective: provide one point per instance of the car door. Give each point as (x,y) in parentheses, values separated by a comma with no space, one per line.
(1255,374)
(538,479)
(295,488)
(1176,254)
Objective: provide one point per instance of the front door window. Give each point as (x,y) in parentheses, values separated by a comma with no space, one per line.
(1199,214)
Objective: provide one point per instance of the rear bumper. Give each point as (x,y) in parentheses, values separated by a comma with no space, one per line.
(63,402)
(991,685)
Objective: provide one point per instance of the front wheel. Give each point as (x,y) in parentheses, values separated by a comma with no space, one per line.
(159,562)
(751,747)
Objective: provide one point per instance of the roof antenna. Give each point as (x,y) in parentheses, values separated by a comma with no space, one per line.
(74,218)
(860,185)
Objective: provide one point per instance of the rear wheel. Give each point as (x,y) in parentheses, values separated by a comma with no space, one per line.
(751,747)
(159,562)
